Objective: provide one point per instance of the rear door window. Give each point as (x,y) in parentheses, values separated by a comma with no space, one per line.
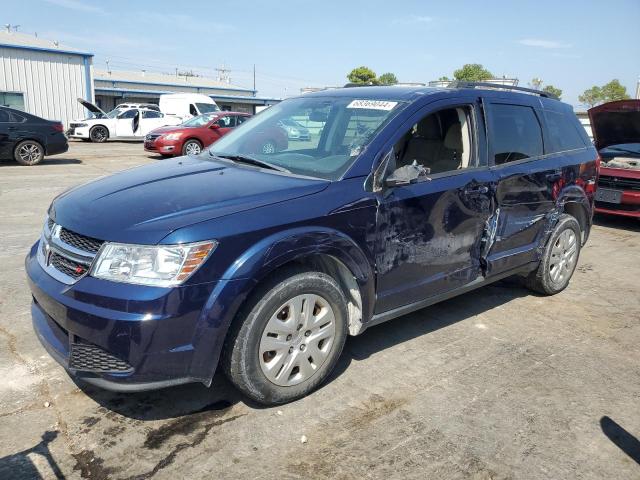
(563,134)
(515,133)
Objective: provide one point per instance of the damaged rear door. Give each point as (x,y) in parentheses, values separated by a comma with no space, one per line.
(430,232)
(525,179)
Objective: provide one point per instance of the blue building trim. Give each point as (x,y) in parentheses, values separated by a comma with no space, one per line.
(181,85)
(48,50)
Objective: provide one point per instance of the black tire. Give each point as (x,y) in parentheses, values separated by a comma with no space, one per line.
(268,147)
(99,134)
(541,280)
(28,153)
(241,359)
(191,144)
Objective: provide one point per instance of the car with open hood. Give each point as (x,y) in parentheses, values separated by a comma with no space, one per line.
(616,133)
(120,123)
(260,262)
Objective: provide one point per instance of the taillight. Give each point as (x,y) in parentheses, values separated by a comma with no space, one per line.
(58,127)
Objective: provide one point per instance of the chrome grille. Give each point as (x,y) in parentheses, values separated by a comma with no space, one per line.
(65,255)
(81,242)
(619,183)
(68,267)
(91,358)
(151,137)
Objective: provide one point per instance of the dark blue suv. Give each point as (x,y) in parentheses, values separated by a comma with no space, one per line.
(262,261)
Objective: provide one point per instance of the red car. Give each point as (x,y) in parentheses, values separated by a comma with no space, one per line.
(193,135)
(616,133)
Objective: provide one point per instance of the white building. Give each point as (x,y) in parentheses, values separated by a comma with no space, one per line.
(43,77)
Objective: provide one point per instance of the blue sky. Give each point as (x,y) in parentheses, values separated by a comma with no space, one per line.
(570,44)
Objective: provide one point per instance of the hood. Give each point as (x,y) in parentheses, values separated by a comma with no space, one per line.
(166,129)
(145,204)
(97,111)
(615,123)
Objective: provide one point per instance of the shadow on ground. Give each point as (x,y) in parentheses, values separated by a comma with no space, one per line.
(46,162)
(184,400)
(21,464)
(613,221)
(621,438)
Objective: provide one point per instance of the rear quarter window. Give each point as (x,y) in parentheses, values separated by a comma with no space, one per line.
(515,133)
(563,132)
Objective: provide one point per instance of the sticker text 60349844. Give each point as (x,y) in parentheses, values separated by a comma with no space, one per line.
(372,104)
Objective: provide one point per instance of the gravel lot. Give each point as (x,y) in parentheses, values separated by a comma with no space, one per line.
(496,384)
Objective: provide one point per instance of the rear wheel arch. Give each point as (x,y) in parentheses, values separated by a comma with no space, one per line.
(578,211)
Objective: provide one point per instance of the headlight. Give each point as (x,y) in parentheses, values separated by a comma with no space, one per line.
(172,136)
(158,265)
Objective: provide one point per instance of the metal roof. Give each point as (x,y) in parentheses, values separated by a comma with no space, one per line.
(23,41)
(164,79)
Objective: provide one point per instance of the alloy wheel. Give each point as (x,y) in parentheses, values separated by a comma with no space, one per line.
(563,256)
(192,148)
(297,340)
(29,153)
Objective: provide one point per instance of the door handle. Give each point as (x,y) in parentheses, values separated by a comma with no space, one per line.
(476,189)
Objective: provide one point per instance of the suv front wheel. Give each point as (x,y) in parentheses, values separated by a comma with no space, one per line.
(291,338)
(559,259)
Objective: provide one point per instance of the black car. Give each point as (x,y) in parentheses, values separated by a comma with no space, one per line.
(27,138)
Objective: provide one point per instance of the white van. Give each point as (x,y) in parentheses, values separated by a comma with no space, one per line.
(186,105)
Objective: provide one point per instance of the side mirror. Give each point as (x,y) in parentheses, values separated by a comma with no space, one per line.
(214,126)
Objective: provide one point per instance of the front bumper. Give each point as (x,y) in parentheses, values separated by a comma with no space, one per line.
(157,332)
(164,147)
(629,205)
(78,132)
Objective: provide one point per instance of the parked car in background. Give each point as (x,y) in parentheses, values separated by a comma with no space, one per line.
(28,139)
(133,123)
(616,133)
(294,130)
(190,137)
(187,105)
(260,263)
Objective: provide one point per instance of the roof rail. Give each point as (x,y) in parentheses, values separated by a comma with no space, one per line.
(498,86)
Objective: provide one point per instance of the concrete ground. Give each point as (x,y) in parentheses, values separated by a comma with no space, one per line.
(496,384)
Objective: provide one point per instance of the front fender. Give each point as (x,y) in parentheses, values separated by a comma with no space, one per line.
(254,265)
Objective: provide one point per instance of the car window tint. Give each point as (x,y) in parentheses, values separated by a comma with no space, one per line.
(129,114)
(515,133)
(226,121)
(4,116)
(150,114)
(562,132)
(241,119)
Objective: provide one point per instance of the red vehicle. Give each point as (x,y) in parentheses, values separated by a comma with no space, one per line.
(193,135)
(616,133)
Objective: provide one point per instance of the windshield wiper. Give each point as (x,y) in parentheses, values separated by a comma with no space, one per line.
(251,161)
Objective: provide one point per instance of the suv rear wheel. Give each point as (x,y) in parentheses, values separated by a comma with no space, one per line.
(291,337)
(559,259)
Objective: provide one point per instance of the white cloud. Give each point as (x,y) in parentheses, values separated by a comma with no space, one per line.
(541,43)
(412,20)
(78,6)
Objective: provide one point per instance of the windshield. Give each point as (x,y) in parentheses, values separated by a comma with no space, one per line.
(115,112)
(339,129)
(198,121)
(207,107)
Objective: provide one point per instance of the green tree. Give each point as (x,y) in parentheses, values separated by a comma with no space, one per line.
(591,97)
(614,91)
(387,79)
(472,72)
(536,83)
(444,79)
(553,90)
(363,76)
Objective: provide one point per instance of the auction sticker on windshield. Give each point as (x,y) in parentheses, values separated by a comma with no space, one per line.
(372,104)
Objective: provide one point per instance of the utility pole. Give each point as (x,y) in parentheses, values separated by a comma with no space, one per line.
(223,74)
